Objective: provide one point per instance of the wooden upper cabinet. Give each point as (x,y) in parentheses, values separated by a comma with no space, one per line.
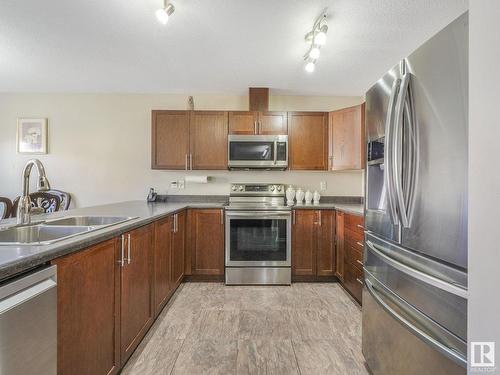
(325,261)
(304,242)
(273,123)
(206,241)
(308,140)
(252,123)
(243,122)
(346,138)
(136,289)
(208,140)
(170,139)
(88,311)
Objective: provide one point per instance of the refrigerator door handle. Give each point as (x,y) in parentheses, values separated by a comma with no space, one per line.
(437,345)
(418,274)
(388,175)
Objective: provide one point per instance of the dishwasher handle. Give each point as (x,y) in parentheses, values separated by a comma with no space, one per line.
(25,288)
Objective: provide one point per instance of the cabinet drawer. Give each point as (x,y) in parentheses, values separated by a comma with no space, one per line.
(354,237)
(354,223)
(354,256)
(353,281)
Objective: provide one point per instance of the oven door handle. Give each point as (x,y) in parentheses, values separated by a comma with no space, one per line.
(259,214)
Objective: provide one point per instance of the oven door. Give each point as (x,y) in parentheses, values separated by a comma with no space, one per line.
(258,238)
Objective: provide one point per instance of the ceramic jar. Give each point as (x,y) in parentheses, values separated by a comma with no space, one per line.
(290,195)
(308,196)
(316,197)
(299,196)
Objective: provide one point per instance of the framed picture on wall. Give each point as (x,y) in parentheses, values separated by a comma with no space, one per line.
(32,135)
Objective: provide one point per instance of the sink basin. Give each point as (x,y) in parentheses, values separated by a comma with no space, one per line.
(39,234)
(88,221)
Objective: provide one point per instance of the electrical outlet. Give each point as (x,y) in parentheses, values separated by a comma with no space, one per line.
(322,185)
(173,185)
(180,184)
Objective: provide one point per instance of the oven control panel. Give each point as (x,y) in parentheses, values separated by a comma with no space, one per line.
(257,189)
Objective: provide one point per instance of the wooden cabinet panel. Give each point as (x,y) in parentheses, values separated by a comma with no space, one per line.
(206,241)
(353,281)
(304,242)
(325,259)
(243,122)
(308,140)
(339,246)
(273,123)
(355,223)
(350,248)
(162,262)
(354,255)
(88,308)
(170,139)
(346,138)
(178,247)
(136,289)
(208,140)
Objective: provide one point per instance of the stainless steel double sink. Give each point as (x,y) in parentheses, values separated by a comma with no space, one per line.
(51,231)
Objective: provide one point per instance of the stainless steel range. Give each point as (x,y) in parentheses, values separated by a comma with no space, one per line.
(258,235)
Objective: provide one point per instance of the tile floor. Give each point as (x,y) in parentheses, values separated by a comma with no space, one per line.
(209,328)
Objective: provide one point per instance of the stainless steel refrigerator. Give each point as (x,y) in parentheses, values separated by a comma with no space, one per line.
(415,257)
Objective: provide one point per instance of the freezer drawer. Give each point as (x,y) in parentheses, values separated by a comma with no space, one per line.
(397,339)
(431,287)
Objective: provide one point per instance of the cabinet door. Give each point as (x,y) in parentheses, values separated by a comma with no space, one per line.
(347,138)
(273,123)
(88,311)
(339,246)
(304,242)
(162,262)
(178,246)
(308,140)
(326,243)
(170,139)
(243,122)
(136,289)
(207,241)
(208,140)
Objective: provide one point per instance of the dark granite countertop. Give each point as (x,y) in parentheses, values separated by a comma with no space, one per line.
(355,208)
(19,258)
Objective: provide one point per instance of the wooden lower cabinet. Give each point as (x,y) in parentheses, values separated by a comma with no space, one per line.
(137,307)
(313,238)
(205,242)
(162,262)
(88,308)
(339,246)
(178,249)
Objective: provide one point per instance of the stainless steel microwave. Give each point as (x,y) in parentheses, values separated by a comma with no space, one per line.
(258,152)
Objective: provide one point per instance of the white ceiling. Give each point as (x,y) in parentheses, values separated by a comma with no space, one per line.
(213,46)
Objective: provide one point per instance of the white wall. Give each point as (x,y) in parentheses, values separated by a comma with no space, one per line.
(484,176)
(99,145)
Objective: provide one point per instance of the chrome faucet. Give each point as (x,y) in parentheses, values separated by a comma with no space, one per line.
(24,204)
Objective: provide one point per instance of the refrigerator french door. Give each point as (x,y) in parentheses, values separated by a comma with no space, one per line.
(416,210)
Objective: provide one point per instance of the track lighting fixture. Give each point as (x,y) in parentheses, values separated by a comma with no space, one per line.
(316,38)
(164,13)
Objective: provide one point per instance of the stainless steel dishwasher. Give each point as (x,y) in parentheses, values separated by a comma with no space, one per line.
(28,323)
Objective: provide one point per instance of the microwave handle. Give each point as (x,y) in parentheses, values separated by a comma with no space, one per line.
(275,151)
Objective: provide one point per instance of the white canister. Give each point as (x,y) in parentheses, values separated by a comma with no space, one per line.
(299,196)
(290,195)
(316,197)
(308,196)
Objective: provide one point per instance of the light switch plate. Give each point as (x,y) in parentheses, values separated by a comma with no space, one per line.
(322,185)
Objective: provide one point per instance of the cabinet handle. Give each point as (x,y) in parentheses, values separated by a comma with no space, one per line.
(359,281)
(186,163)
(360,262)
(293,217)
(319,213)
(128,243)
(360,226)
(191,162)
(176,222)
(221,217)
(360,244)
(255,127)
(121,262)
(259,129)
